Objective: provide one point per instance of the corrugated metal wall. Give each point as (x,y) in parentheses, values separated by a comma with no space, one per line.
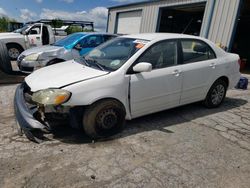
(223,21)
(217,26)
(150,13)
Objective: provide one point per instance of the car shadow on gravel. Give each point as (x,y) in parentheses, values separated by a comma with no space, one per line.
(158,121)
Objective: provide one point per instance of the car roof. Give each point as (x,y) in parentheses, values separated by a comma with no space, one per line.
(94,33)
(160,36)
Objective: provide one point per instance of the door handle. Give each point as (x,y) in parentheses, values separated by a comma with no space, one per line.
(212,65)
(176,72)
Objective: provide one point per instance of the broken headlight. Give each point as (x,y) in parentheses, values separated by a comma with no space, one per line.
(51,96)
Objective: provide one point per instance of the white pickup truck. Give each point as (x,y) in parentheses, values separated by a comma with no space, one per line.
(33,35)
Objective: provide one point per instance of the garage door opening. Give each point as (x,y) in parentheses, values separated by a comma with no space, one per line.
(185,19)
(241,43)
(128,22)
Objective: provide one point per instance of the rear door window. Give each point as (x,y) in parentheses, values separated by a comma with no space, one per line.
(196,51)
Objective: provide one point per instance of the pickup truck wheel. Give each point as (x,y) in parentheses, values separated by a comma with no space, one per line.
(5,64)
(103,119)
(216,94)
(14,51)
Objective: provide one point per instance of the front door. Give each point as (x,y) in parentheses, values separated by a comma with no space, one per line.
(161,88)
(35,35)
(199,66)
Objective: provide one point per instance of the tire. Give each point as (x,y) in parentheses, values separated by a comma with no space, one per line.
(5,63)
(216,94)
(14,51)
(103,119)
(54,61)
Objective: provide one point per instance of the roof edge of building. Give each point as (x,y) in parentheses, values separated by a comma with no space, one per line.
(134,4)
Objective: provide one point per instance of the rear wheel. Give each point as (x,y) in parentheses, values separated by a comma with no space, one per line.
(103,119)
(216,94)
(5,63)
(14,51)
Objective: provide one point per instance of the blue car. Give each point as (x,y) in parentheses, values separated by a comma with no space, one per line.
(71,47)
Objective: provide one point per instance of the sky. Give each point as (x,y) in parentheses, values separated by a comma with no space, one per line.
(84,10)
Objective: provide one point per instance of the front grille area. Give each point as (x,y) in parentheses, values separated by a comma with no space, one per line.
(27,93)
(21,57)
(27,69)
(26,88)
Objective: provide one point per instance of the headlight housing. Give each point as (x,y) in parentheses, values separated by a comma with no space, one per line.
(51,96)
(32,57)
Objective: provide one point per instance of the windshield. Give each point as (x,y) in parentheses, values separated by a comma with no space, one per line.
(69,40)
(113,54)
(22,29)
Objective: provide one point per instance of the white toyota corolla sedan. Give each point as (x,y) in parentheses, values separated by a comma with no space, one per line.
(125,78)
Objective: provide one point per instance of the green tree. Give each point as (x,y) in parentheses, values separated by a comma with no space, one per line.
(74,29)
(57,23)
(4,24)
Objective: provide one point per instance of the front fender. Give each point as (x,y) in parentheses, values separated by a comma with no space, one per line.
(18,41)
(88,92)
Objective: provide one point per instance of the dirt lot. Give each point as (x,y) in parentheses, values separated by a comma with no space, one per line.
(190,146)
(15,77)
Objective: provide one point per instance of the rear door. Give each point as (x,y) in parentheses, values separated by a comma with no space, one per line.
(161,88)
(199,66)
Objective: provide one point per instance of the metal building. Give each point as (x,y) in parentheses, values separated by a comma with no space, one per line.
(212,19)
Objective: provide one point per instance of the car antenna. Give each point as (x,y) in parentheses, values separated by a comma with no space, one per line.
(189,23)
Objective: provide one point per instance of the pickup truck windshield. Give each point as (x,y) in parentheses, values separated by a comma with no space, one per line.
(114,53)
(69,40)
(22,29)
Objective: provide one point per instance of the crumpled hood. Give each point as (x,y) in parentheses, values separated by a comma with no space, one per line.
(61,74)
(10,35)
(42,49)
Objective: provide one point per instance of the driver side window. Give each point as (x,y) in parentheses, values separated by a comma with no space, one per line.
(36,30)
(161,55)
(91,41)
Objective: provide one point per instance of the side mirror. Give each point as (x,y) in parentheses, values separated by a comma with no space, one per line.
(24,33)
(142,67)
(78,47)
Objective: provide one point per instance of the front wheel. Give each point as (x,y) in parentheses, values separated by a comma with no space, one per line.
(103,119)
(14,51)
(216,94)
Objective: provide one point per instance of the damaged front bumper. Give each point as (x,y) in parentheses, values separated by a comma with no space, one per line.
(29,118)
(26,121)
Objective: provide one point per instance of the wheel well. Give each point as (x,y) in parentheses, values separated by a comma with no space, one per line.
(114,99)
(16,44)
(225,79)
(56,60)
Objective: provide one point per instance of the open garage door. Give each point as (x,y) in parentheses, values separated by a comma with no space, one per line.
(241,42)
(128,22)
(181,19)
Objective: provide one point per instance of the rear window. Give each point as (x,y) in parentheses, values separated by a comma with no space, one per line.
(69,40)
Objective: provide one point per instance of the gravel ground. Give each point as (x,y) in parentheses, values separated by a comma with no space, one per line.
(190,146)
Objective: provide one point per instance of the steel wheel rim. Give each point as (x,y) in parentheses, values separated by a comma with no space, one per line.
(13,53)
(107,119)
(218,94)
